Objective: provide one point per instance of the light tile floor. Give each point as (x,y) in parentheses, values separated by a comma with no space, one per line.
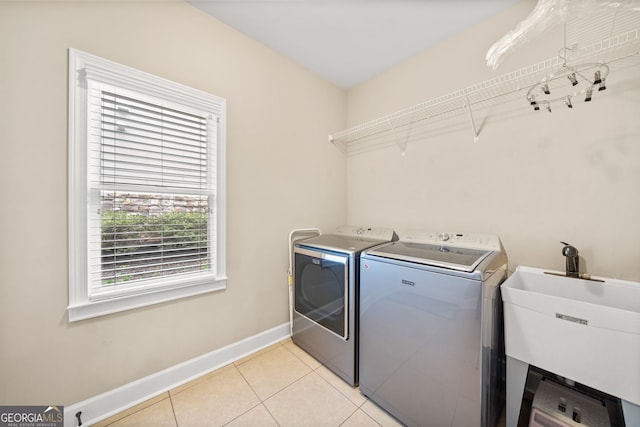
(278,386)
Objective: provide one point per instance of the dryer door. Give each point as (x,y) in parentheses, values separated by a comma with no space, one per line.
(321,289)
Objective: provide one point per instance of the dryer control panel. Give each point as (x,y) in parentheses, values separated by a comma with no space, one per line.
(489,242)
(374,233)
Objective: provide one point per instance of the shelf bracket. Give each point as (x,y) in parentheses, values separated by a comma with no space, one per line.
(401,144)
(473,123)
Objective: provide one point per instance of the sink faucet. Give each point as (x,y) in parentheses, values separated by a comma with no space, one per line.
(573,262)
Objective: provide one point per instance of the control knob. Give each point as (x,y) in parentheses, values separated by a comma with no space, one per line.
(443,237)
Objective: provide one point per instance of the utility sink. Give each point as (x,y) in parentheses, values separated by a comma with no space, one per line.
(586,330)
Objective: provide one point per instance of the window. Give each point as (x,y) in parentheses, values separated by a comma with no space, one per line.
(146,189)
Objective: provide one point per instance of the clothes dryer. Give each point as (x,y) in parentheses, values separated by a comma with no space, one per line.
(431,340)
(325,286)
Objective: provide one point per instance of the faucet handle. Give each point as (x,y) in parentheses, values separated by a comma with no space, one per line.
(569,250)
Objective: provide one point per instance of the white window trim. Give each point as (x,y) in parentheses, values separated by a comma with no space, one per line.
(81,67)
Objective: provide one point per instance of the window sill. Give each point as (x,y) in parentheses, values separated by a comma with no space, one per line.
(104,307)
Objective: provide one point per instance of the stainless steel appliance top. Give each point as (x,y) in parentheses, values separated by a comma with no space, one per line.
(350,239)
(456,251)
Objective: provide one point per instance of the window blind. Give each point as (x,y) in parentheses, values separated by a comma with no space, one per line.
(152,175)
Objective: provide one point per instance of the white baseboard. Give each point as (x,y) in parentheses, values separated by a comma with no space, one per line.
(104,405)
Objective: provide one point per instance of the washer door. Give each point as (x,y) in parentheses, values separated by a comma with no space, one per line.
(320,288)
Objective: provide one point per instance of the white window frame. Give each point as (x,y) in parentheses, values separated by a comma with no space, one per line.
(83,304)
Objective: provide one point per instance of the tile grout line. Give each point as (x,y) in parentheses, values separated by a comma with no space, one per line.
(173,410)
(261,402)
(255,355)
(116,418)
(314,370)
(365,414)
(358,407)
(236,365)
(272,417)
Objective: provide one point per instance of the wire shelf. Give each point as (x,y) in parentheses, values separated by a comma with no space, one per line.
(617,51)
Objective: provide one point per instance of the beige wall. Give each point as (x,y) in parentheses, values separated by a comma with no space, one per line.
(533,178)
(282,174)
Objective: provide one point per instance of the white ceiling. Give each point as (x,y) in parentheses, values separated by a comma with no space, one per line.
(349,41)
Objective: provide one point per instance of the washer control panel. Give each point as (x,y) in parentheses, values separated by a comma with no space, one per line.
(374,233)
(460,240)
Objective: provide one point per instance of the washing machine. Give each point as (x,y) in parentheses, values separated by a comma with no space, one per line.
(431,333)
(325,295)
